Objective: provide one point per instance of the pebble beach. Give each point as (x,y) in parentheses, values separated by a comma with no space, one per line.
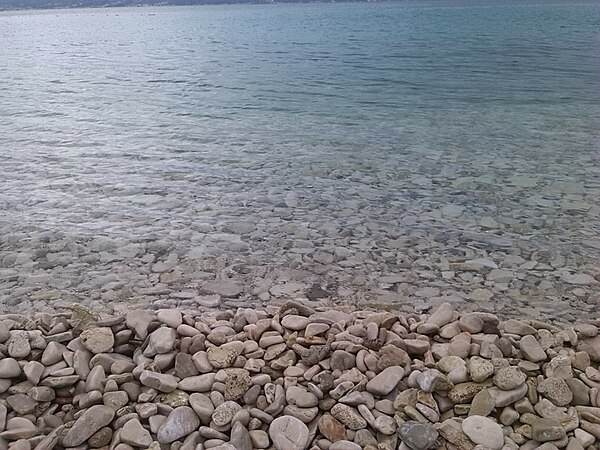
(300,226)
(296,377)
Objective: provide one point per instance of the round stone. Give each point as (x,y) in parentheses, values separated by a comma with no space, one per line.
(288,433)
(509,378)
(484,431)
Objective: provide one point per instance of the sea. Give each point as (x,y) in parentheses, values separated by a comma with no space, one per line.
(368,152)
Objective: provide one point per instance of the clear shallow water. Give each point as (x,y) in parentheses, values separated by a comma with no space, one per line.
(364,148)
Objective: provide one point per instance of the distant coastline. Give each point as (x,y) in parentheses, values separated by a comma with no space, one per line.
(25,5)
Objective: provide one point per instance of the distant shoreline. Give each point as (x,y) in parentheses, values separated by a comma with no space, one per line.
(163,4)
(21,6)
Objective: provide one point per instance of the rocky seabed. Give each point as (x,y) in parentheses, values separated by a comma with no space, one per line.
(295,377)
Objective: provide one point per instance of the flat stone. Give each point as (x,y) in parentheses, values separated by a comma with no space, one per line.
(484,431)
(170,317)
(289,433)
(385,382)
(504,398)
(448,363)
(513,326)
(159,381)
(94,418)
(345,445)
(21,403)
(296,395)
(224,288)
(53,353)
(138,320)
(417,435)
(295,322)
(471,323)
(544,430)
(179,423)
(97,339)
(531,349)
(133,433)
(198,383)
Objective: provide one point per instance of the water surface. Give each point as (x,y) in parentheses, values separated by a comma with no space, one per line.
(368,149)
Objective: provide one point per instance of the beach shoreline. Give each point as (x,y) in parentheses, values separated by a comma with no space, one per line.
(295,376)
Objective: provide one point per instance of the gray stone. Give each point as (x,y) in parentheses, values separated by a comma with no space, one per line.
(484,431)
(179,423)
(504,398)
(202,406)
(480,369)
(9,368)
(224,288)
(97,339)
(89,422)
(556,390)
(289,433)
(159,381)
(591,347)
(482,405)
(138,320)
(133,433)
(198,383)
(508,378)
(385,382)
(531,349)
(544,430)
(240,438)
(21,403)
(170,317)
(160,342)
(417,435)
(298,396)
(442,315)
(18,344)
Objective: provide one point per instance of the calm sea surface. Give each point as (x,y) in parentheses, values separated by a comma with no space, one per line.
(368,149)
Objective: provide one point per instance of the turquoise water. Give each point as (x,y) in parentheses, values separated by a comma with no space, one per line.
(470,126)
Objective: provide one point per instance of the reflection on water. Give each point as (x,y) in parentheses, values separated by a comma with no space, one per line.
(387,155)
